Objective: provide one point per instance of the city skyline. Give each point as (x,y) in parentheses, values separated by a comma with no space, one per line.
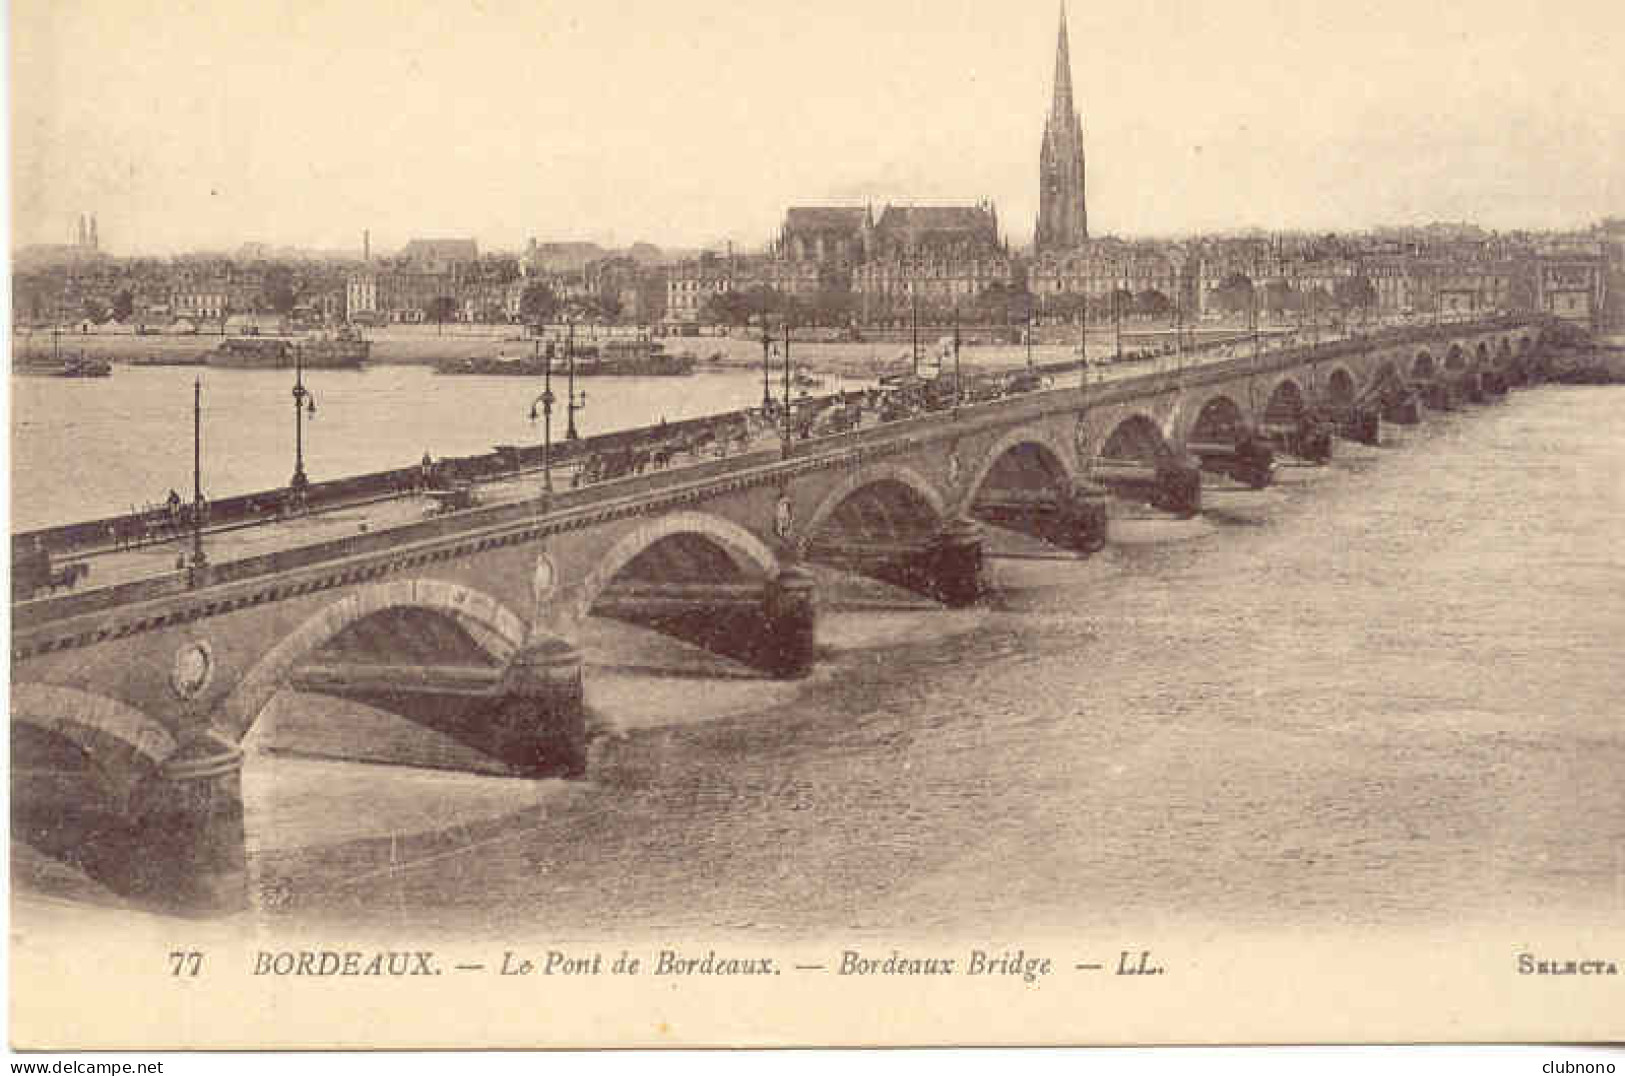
(410,126)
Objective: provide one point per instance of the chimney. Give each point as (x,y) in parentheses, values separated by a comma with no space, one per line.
(366,245)
(95,244)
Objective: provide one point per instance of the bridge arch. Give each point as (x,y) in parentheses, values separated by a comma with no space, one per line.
(1422,367)
(1481,354)
(1137,437)
(1455,358)
(855,483)
(1285,402)
(492,626)
(1219,419)
(1341,387)
(1031,441)
(1503,352)
(741,546)
(123,746)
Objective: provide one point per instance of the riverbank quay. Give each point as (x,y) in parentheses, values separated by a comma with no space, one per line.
(874,352)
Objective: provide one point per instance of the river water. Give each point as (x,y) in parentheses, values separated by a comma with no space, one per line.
(1386,691)
(92,448)
(96,447)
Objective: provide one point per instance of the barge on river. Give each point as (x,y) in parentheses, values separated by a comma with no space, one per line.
(344,349)
(614,358)
(61,366)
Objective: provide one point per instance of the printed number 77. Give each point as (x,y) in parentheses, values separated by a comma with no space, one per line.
(187,963)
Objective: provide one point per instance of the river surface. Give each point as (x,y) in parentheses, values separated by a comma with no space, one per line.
(92,448)
(1385,692)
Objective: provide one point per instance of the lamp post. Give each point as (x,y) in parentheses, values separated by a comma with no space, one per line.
(959,385)
(1029,333)
(914,301)
(1083,343)
(787,429)
(1252,368)
(575,401)
(200,559)
(546,399)
(767,392)
(303,400)
(1179,334)
(1117,318)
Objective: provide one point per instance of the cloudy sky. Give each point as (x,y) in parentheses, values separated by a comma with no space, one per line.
(205,123)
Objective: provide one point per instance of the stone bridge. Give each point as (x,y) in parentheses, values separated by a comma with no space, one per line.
(470,622)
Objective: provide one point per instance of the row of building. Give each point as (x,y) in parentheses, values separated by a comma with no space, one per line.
(942,256)
(853,266)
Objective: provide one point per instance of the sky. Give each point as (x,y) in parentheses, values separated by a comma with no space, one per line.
(186,124)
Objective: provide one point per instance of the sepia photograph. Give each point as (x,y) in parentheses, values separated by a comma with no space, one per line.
(549,524)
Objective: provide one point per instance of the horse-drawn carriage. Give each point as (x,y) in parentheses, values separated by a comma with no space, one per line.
(452,497)
(33,572)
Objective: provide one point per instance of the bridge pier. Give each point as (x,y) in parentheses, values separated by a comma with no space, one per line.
(1173,483)
(1248,460)
(790,609)
(1402,409)
(952,563)
(1309,439)
(1315,438)
(1362,425)
(539,721)
(1471,389)
(1179,485)
(1074,517)
(771,626)
(1495,384)
(946,566)
(1438,397)
(1085,522)
(187,850)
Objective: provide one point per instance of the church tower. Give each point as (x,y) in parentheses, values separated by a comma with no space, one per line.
(1063,219)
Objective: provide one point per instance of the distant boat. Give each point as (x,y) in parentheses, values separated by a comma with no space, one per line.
(63,366)
(500,365)
(634,358)
(620,358)
(344,349)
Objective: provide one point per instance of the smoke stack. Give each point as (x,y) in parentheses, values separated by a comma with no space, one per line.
(95,243)
(366,244)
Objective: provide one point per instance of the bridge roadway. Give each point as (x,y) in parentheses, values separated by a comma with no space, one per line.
(466,622)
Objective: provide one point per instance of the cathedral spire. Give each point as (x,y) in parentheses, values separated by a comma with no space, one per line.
(1061,109)
(1063,221)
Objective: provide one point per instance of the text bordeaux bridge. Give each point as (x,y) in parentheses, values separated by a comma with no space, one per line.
(468,622)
